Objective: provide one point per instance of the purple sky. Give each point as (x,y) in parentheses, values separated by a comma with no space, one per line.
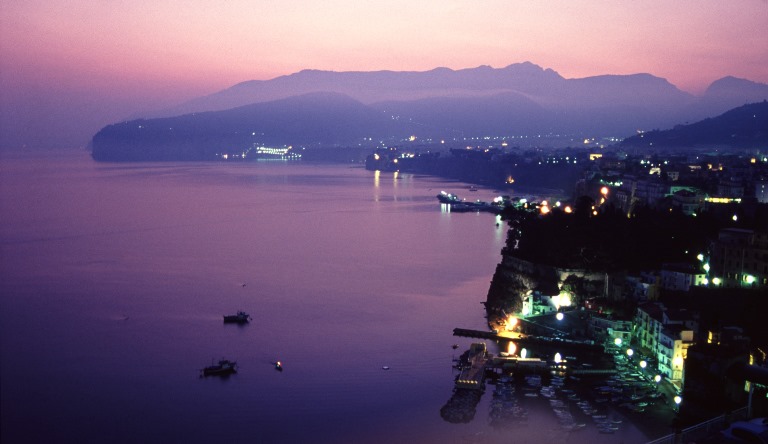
(69,67)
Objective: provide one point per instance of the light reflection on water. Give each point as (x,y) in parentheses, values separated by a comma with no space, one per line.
(114,278)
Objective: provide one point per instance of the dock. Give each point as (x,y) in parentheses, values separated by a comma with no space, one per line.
(472,374)
(561,345)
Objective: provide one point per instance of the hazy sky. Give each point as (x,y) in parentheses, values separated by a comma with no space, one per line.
(102,60)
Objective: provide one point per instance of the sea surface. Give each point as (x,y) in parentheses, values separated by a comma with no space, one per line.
(114,278)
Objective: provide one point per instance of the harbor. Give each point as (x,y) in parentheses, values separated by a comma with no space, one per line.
(590,395)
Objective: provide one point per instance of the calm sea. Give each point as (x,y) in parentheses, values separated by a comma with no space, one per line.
(114,279)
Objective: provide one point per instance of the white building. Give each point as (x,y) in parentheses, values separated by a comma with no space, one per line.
(666,334)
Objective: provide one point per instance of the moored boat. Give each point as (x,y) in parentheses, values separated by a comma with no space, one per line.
(223,368)
(240,318)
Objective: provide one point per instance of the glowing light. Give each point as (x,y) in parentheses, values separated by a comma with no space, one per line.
(594,213)
(643,364)
(412,138)
(750,279)
(630,352)
(604,191)
(735,218)
(617,341)
(678,361)
(706,267)
(559,316)
(568,210)
(700,257)
(657,378)
(558,358)
(511,322)
(524,353)
(511,348)
(376,157)
(678,399)
(544,209)
(716,281)
(562,300)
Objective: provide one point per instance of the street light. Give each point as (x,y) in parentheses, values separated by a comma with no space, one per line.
(678,400)
(630,352)
(617,341)
(559,316)
(643,364)
(657,378)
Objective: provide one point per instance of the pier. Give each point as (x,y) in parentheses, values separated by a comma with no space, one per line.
(561,345)
(472,374)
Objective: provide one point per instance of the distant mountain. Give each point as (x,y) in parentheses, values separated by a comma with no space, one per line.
(543,87)
(378,86)
(742,127)
(342,108)
(317,118)
(609,104)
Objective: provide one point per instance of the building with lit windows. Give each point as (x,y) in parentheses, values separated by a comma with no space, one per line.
(681,277)
(674,341)
(666,335)
(761,191)
(739,258)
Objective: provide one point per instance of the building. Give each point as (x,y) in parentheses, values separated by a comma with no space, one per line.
(739,258)
(761,191)
(666,334)
(607,329)
(680,277)
(674,341)
(732,187)
(709,369)
(689,202)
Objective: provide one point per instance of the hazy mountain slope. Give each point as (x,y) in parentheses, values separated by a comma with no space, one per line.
(505,113)
(319,118)
(377,86)
(742,127)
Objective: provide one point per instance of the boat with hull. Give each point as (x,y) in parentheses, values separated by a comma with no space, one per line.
(224,367)
(240,318)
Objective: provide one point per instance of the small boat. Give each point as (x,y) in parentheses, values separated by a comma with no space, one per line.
(240,318)
(223,368)
(278,366)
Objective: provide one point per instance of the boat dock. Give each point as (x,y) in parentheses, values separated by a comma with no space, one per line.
(472,374)
(562,345)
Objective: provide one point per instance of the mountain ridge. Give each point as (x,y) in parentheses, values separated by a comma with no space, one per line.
(544,85)
(742,127)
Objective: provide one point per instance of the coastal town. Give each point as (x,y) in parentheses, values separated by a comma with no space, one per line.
(659,260)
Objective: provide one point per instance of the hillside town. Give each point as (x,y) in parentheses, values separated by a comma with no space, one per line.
(664,258)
